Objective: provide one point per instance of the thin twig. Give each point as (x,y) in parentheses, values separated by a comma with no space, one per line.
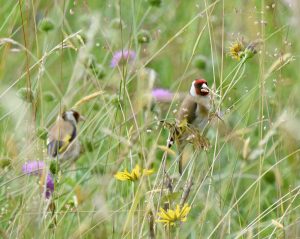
(186,191)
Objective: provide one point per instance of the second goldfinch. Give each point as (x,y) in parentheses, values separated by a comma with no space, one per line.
(62,142)
(194,111)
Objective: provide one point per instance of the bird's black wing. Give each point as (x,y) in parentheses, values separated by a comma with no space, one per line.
(54,147)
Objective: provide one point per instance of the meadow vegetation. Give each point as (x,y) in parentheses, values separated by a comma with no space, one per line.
(126,66)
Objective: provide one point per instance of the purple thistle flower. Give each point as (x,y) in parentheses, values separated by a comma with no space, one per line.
(33,167)
(162,95)
(49,186)
(122,57)
(36,168)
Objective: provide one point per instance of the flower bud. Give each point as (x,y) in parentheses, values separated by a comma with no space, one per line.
(155,3)
(46,25)
(117,23)
(143,36)
(25,94)
(49,96)
(200,62)
(42,133)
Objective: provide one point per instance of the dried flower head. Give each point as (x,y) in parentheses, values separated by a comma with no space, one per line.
(250,51)
(172,217)
(122,57)
(183,130)
(236,50)
(134,175)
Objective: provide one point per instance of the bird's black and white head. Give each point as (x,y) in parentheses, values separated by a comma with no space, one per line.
(199,88)
(72,116)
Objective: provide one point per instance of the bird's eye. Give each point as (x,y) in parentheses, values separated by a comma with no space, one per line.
(198,86)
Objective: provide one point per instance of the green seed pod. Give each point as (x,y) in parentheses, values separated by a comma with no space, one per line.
(117,23)
(143,36)
(71,204)
(270,177)
(49,96)
(116,101)
(46,25)
(99,71)
(25,94)
(96,107)
(200,62)
(42,133)
(155,3)
(89,145)
(54,167)
(4,162)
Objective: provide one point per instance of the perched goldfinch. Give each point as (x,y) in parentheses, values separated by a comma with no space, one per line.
(194,111)
(62,142)
(196,105)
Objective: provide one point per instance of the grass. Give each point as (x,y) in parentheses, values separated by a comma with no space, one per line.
(56,55)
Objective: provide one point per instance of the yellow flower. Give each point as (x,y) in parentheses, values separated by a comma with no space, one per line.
(236,50)
(170,217)
(134,175)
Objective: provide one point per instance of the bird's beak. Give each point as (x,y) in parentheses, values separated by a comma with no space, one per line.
(204,88)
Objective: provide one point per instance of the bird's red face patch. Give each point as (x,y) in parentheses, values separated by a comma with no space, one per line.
(200,81)
(201,87)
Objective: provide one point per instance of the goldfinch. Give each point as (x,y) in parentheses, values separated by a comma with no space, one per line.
(194,111)
(62,142)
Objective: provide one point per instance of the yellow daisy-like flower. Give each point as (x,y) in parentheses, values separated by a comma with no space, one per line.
(134,175)
(236,50)
(171,217)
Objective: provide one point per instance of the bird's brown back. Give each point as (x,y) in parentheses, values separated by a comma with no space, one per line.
(187,110)
(60,130)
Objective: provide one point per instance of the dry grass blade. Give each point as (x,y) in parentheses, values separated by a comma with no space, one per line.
(87,98)
(277,224)
(279,63)
(186,192)
(167,150)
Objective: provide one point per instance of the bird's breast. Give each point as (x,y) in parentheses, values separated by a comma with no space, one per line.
(201,119)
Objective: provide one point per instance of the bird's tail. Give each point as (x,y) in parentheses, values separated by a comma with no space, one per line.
(175,137)
(170,141)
